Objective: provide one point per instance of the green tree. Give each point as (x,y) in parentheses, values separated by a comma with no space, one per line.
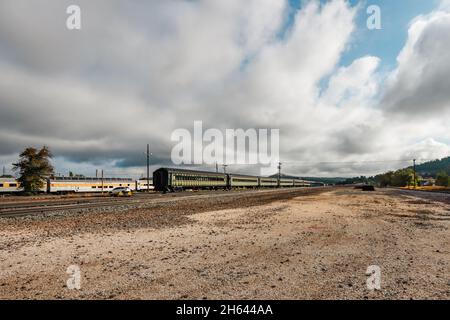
(34,167)
(384,180)
(442,179)
(399,178)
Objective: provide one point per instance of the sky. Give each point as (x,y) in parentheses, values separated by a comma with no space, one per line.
(347,100)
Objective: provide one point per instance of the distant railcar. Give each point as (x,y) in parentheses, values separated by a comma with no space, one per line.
(300,183)
(141,184)
(243,181)
(268,182)
(167,179)
(9,185)
(286,183)
(63,185)
(84,184)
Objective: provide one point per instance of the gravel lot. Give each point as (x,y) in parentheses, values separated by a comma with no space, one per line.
(282,245)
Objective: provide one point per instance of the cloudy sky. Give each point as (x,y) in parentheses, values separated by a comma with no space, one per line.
(347,100)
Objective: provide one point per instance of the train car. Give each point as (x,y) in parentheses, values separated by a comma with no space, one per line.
(242,181)
(268,182)
(167,179)
(84,184)
(9,185)
(301,183)
(141,184)
(286,183)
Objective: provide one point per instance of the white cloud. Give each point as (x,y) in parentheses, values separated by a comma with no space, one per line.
(419,86)
(353,86)
(428,149)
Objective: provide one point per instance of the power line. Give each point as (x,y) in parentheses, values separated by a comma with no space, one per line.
(347,162)
(360,162)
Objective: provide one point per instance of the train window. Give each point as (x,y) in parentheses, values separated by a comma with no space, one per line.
(13,185)
(1,185)
(94,187)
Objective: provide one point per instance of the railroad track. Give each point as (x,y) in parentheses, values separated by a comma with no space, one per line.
(35,208)
(45,203)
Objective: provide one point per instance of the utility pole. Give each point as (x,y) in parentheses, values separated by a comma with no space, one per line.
(4,171)
(414,166)
(96,173)
(279,174)
(148,167)
(217,167)
(102,182)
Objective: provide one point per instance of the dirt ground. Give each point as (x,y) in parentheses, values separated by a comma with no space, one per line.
(286,246)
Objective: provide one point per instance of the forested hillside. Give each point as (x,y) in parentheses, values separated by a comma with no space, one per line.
(434,167)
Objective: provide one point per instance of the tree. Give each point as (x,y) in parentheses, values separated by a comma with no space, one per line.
(384,180)
(442,179)
(403,178)
(34,167)
(399,178)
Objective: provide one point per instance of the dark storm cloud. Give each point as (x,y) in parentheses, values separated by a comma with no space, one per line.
(355,140)
(141,160)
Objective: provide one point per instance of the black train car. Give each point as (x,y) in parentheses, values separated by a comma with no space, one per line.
(167,179)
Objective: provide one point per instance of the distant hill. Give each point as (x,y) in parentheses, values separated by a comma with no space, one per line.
(325,180)
(285,176)
(433,167)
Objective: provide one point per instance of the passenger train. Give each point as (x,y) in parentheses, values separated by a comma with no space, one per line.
(164,179)
(64,185)
(168,179)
